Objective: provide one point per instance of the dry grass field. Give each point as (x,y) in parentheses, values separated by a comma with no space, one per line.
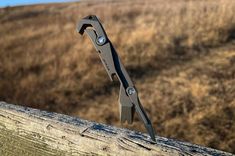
(180,54)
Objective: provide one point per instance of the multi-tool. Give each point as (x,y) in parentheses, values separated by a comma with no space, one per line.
(128,96)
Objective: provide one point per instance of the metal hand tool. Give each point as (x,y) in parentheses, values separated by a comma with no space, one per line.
(128,97)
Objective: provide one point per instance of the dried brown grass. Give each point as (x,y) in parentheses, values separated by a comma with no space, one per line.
(181,54)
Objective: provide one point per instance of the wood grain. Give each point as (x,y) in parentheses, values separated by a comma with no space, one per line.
(26,131)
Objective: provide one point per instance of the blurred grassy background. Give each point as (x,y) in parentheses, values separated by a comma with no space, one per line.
(180,54)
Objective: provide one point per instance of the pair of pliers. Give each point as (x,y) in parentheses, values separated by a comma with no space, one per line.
(128,96)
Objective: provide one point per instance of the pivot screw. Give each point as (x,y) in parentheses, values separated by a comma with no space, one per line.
(101,40)
(131,91)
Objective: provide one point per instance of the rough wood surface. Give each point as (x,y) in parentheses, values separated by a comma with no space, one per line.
(26,131)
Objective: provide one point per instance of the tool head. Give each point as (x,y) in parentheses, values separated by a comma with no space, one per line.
(91,21)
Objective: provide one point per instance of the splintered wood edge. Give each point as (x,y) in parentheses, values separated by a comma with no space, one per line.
(27,131)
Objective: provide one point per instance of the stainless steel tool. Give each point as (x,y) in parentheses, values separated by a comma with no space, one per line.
(128,96)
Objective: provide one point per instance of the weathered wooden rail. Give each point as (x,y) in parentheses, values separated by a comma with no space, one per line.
(26,131)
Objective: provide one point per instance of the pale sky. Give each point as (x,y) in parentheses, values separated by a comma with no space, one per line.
(4,3)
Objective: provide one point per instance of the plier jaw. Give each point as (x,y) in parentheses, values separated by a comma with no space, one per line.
(128,96)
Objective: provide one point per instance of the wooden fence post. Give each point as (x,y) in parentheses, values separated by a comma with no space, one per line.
(26,131)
